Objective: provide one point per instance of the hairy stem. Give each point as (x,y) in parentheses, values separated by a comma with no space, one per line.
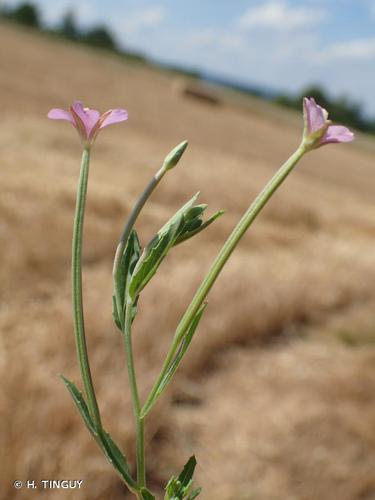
(221,259)
(79,327)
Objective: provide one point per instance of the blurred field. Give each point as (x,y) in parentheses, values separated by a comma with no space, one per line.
(277,397)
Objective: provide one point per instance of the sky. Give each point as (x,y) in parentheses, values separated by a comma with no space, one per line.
(280,44)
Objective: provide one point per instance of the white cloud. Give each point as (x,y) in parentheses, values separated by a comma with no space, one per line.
(363,49)
(371,7)
(53,12)
(210,38)
(148,17)
(279,15)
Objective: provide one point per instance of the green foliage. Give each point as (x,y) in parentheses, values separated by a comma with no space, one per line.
(183,347)
(26,14)
(146,494)
(124,272)
(68,27)
(184,224)
(101,37)
(341,110)
(194,223)
(110,448)
(81,406)
(152,257)
(181,488)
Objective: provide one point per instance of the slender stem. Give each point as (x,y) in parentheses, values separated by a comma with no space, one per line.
(139,422)
(79,327)
(220,261)
(130,224)
(134,215)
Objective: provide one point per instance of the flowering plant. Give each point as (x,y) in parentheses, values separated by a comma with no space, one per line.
(134,266)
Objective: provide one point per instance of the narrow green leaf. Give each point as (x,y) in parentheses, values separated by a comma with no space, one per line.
(115,315)
(128,262)
(80,405)
(180,212)
(152,257)
(179,488)
(172,489)
(106,443)
(176,361)
(188,471)
(146,494)
(117,458)
(186,222)
(196,227)
(194,494)
(194,212)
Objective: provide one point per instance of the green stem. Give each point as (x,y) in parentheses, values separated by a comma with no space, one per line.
(219,263)
(130,224)
(139,422)
(79,327)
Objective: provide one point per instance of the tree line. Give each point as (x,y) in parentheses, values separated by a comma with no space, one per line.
(342,110)
(27,14)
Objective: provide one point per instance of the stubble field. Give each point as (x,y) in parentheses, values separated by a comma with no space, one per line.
(277,396)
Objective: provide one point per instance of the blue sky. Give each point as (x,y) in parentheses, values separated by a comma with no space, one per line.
(282,44)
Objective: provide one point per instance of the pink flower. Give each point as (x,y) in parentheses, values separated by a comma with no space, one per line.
(318,129)
(88,121)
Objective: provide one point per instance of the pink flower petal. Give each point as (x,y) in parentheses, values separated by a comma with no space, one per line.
(316,116)
(114,116)
(87,121)
(92,118)
(60,114)
(89,117)
(337,133)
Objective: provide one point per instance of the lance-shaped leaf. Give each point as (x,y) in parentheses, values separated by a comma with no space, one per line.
(146,494)
(156,250)
(185,342)
(196,225)
(194,494)
(184,224)
(182,211)
(117,459)
(81,406)
(180,488)
(151,258)
(187,472)
(125,269)
(104,440)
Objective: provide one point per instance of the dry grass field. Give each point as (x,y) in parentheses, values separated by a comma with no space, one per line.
(277,396)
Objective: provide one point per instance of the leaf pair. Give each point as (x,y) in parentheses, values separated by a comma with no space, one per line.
(184,224)
(181,488)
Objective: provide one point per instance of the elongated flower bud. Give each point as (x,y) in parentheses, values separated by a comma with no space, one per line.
(174,156)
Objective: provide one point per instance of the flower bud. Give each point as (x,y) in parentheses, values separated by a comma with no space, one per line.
(174,156)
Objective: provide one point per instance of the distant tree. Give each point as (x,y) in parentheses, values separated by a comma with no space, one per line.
(100,36)
(68,26)
(26,13)
(341,110)
(3,10)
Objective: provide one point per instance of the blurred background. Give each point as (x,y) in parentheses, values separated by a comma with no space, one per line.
(277,395)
